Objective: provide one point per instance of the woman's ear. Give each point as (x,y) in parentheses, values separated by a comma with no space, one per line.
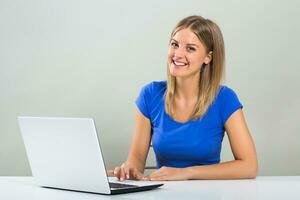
(208,58)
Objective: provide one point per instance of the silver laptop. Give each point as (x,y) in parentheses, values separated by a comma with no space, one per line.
(65,153)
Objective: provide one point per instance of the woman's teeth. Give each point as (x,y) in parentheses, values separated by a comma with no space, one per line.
(179,63)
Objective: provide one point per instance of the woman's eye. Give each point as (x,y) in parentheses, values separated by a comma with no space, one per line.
(191,49)
(173,44)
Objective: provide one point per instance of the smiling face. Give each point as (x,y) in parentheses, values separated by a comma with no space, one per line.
(186,54)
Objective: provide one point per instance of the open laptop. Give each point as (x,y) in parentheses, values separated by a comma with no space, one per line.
(65,153)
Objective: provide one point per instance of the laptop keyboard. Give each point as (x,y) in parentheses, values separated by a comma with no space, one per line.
(121,185)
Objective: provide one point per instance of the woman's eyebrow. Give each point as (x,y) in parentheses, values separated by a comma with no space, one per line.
(190,44)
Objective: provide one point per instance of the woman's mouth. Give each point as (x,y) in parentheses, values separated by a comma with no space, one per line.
(179,64)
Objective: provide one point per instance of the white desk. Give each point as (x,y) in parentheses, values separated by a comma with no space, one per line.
(265,188)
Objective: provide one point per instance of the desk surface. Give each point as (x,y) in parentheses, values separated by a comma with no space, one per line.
(268,187)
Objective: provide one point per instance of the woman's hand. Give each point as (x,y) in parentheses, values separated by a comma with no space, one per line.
(168,174)
(128,171)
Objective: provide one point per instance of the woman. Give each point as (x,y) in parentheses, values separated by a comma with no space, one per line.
(186,116)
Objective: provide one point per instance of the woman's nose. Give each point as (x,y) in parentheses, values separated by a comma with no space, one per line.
(179,53)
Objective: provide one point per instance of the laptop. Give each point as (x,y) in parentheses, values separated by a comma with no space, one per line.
(65,153)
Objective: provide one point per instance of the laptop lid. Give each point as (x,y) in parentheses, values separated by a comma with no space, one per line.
(64,153)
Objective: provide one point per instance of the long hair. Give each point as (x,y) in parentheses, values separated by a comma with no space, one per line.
(211,74)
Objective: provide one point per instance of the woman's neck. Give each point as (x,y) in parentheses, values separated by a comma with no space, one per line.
(187,88)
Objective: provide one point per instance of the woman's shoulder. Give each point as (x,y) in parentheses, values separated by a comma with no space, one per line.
(228,102)
(155,86)
(225,91)
(227,96)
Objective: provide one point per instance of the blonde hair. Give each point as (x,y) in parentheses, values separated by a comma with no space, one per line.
(211,74)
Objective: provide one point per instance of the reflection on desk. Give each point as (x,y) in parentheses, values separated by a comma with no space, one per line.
(272,187)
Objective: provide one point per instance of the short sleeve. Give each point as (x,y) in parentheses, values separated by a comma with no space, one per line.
(142,101)
(229,103)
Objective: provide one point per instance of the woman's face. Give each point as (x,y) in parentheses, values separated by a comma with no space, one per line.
(186,54)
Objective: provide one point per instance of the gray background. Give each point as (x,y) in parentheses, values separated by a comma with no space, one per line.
(90,59)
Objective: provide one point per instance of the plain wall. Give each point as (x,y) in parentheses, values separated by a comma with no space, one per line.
(91,58)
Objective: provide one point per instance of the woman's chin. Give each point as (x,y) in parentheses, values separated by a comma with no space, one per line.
(177,71)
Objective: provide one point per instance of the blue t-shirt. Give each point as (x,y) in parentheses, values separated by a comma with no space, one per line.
(195,142)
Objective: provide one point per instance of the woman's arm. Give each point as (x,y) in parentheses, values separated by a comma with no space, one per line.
(243,149)
(134,166)
(243,167)
(140,141)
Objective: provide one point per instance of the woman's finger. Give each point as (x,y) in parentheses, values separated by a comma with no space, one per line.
(122,174)
(117,172)
(137,175)
(110,172)
(158,178)
(127,172)
(156,174)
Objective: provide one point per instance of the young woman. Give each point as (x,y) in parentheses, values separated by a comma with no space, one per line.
(186,116)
